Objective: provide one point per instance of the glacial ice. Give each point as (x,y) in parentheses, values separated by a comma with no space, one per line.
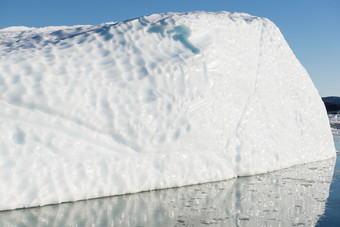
(155,102)
(295,196)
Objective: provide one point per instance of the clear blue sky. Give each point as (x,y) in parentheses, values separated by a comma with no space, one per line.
(311,27)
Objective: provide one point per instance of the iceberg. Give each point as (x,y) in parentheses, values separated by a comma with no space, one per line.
(334,120)
(160,101)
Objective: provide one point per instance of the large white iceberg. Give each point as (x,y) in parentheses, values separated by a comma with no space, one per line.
(160,101)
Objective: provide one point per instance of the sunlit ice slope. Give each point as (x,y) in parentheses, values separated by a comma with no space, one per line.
(160,101)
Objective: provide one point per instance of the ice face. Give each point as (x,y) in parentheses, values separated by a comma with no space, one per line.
(160,101)
(289,197)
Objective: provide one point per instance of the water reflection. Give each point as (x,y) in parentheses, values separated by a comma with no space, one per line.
(332,210)
(294,196)
(337,142)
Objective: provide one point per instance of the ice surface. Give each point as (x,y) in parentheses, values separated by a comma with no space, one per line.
(160,101)
(294,196)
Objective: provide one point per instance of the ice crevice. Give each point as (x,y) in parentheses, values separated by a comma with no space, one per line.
(155,102)
(236,138)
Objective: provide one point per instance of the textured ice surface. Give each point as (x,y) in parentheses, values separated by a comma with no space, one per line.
(160,101)
(294,196)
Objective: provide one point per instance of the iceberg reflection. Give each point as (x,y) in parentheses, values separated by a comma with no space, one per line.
(293,196)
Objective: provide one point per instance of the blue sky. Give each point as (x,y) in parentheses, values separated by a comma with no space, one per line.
(311,27)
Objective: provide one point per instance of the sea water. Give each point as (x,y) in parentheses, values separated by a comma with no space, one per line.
(331,215)
(337,142)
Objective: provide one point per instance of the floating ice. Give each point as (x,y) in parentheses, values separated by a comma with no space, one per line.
(294,196)
(160,101)
(334,120)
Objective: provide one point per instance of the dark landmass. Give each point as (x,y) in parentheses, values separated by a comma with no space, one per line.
(332,104)
(331,99)
(332,107)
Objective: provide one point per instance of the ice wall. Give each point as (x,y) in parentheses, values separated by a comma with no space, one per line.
(155,102)
(294,196)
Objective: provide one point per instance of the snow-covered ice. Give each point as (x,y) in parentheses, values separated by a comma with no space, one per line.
(160,101)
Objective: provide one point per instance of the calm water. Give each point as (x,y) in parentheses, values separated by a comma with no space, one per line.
(331,216)
(302,195)
(337,142)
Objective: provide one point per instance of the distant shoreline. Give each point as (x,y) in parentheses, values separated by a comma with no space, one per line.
(332,104)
